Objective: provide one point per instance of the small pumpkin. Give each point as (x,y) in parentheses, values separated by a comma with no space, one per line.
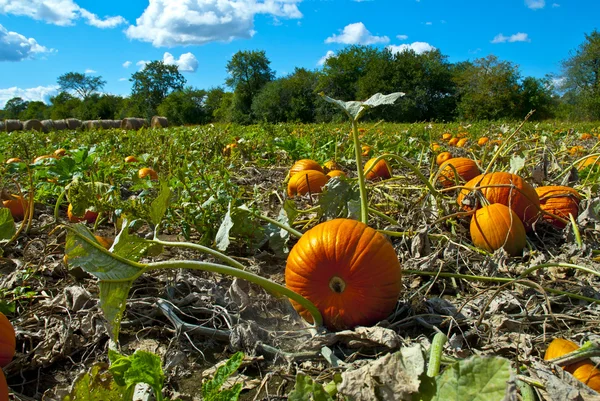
(3,387)
(446,136)
(131,159)
(147,172)
(60,152)
(43,157)
(588,161)
(13,160)
(89,216)
(560,201)
(453,141)
(8,341)
(17,206)
(366,150)
(522,199)
(306,181)
(380,171)
(465,167)
(483,140)
(585,136)
(496,226)
(585,371)
(336,173)
(442,157)
(435,147)
(348,270)
(305,164)
(461,142)
(330,165)
(229,148)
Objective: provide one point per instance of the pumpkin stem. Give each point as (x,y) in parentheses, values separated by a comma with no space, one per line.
(337,285)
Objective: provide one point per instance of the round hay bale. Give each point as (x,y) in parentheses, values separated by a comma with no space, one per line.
(60,125)
(2,126)
(33,125)
(105,124)
(48,125)
(73,123)
(13,125)
(116,123)
(159,122)
(133,123)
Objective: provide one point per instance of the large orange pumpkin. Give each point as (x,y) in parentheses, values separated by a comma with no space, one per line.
(348,270)
(8,341)
(89,216)
(585,371)
(496,226)
(381,170)
(558,200)
(3,387)
(522,199)
(17,206)
(306,181)
(466,169)
(305,164)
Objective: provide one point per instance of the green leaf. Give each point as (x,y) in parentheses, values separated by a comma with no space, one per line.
(278,237)
(159,206)
(141,367)
(222,238)
(210,388)
(354,109)
(96,384)
(340,199)
(306,389)
(132,247)
(7,224)
(516,164)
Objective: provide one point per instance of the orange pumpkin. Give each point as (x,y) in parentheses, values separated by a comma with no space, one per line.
(461,142)
(17,206)
(13,160)
(336,173)
(229,148)
(453,141)
(585,136)
(305,164)
(435,147)
(466,169)
(442,157)
(446,136)
(496,226)
(381,170)
(60,152)
(8,341)
(349,271)
(43,157)
(585,371)
(366,150)
(3,387)
(588,161)
(90,216)
(483,140)
(147,172)
(522,199)
(330,165)
(306,181)
(558,200)
(131,159)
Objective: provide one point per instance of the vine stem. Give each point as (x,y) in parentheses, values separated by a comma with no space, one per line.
(362,186)
(251,277)
(435,354)
(289,229)
(558,264)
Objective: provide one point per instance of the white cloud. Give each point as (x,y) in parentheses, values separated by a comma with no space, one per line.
(90,71)
(122,79)
(554,5)
(175,23)
(356,34)
(16,47)
(535,4)
(417,47)
(187,62)
(429,23)
(517,37)
(41,93)
(57,12)
(127,64)
(142,64)
(323,59)
(402,37)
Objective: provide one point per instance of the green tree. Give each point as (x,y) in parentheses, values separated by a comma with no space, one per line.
(153,84)
(249,71)
(537,94)
(581,72)
(185,107)
(35,110)
(14,107)
(64,105)
(81,84)
(213,100)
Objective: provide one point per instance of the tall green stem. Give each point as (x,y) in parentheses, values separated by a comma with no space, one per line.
(364,201)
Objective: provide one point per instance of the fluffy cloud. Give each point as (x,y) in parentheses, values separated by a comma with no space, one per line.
(58,12)
(122,79)
(142,64)
(356,34)
(90,71)
(16,47)
(187,62)
(174,23)
(323,59)
(417,47)
(517,37)
(41,93)
(402,37)
(535,4)
(127,64)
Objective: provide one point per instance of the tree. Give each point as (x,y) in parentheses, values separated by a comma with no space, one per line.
(14,107)
(153,84)
(64,105)
(185,107)
(248,72)
(83,85)
(581,72)
(212,102)
(537,94)
(35,110)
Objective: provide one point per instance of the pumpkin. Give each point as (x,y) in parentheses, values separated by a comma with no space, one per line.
(330,165)
(453,141)
(306,181)
(3,387)
(89,216)
(348,270)
(366,150)
(381,170)
(131,159)
(17,206)
(147,172)
(229,148)
(43,157)
(522,199)
(585,371)
(496,226)
(60,152)
(336,173)
(585,136)
(305,164)
(466,169)
(558,200)
(461,142)
(13,160)
(578,149)
(483,140)
(442,157)
(8,341)
(588,161)
(435,147)
(446,136)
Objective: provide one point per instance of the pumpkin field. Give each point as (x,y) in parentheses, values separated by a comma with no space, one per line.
(361,260)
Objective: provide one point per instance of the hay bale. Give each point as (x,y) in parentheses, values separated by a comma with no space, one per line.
(33,125)
(159,122)
(59,125)
(116,123)
(2,126)
(133,123)
(73,123)
(105,124)
(92,124)
(48,125)
(13,125)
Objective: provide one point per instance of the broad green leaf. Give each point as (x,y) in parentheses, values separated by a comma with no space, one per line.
(82,195)
(516,164)
(141,367)
(7,224)
(355,109)
(113,300)
(339,199)
(306,389)
(278,237)
(159,206)
(132,247)
(96,384)
(211,388)
(222,238)
(290,209)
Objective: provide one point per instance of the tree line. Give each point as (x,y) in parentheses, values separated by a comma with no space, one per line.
(435,90)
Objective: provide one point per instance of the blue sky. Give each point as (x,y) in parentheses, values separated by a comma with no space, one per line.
(42,39)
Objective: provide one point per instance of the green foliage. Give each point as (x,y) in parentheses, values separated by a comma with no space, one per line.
(7,225)
(185,107)
(211,389)
(14,107)
(141,367)
(153,84)
(35,110)
(96,384)
(81,84)
(306,389)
